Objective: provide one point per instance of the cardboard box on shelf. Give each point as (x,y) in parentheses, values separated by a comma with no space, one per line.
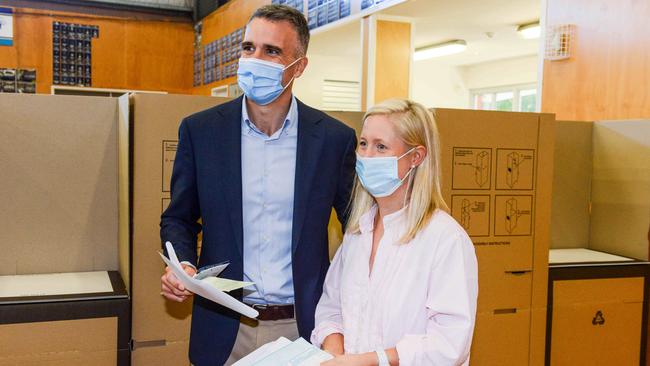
(60,177)
(597,312)
(68,329)
(70,342)
(497,173)
(590,316)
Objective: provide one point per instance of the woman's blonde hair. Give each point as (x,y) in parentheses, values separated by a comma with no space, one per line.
(415,126)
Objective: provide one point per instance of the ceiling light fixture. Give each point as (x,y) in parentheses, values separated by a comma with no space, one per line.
(440,49)
(529,31)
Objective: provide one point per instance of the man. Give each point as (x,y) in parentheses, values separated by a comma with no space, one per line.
(263,173)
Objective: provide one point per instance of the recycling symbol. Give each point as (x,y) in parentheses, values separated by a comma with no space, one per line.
(598,319)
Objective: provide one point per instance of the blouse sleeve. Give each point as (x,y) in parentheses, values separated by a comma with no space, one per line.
(451,308)
(328,311)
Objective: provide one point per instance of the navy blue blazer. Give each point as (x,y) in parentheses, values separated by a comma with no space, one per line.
(206,184)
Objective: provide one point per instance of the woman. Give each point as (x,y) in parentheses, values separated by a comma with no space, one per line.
(402,287)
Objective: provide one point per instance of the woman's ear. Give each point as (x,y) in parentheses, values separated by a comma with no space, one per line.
(419,154)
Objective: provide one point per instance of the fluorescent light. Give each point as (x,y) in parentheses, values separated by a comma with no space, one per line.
(440,49)
(529,31)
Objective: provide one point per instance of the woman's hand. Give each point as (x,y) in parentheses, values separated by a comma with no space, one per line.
(333,344)
(365,359)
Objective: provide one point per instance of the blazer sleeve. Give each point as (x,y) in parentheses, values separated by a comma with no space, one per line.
(179,223)
(346,180)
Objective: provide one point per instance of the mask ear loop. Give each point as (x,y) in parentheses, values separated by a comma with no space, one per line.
(408,184)
(408,175)
(293,63)
(294,74)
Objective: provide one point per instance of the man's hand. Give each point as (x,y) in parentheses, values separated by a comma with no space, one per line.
(172,288)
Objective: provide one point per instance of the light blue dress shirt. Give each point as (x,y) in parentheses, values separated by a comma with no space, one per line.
(268,172)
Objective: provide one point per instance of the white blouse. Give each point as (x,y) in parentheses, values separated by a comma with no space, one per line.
(420,296)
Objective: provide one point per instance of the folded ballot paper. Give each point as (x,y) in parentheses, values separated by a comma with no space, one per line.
(283,352)
(211,288)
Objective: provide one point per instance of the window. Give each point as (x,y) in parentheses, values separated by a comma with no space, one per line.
(519,98)
(527,100)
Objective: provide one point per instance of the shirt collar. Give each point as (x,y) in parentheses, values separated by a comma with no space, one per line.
(289,126)
(367,221)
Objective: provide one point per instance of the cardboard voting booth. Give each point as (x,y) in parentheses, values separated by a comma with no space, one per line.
(599,270)
(63,298)
(496,177)
(160,328)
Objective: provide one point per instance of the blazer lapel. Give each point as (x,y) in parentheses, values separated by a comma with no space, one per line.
(228,153)
(310,142)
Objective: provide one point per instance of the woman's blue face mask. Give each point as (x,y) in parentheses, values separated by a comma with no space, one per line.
(379,175)
(261,80)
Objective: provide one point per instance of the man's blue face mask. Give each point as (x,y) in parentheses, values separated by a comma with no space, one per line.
(261,80)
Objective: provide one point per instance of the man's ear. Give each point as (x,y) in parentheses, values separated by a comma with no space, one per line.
(301,66)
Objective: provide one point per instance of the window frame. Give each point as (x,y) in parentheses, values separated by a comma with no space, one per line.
(515,89)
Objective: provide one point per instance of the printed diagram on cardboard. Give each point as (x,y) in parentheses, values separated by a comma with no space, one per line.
(512,175)
(464,214)
(473,213)
(513,215)
(515,169)
(471,168)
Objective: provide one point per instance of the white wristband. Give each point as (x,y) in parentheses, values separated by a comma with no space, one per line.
(383,358)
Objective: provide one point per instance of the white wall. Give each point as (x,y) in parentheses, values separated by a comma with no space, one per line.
(308,88)
(521,70)
(437,84)
(335,55)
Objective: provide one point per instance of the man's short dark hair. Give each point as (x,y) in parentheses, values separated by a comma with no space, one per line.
(283,13)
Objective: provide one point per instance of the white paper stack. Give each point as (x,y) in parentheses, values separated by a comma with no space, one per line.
(283,352)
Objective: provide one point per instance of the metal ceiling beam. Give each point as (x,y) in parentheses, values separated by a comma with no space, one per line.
(104,8)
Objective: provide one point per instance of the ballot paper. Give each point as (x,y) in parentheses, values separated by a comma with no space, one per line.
(225,284)
(204,288)
(283,352)
(52,284)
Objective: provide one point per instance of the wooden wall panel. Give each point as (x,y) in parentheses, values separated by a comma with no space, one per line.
(166,64)
(392,60)
(129,53)
(608,74)
(108,53)
(365,59)
(30,48)
(231,16)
